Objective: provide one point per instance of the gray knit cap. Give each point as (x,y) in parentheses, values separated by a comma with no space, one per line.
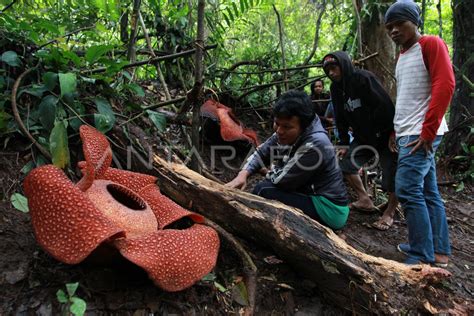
(403,10)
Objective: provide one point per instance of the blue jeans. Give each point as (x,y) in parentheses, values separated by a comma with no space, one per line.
(417,191)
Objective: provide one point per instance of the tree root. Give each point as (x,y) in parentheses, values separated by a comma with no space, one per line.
(16,114)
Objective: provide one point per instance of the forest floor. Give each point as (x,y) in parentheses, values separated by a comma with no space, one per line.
(30,278)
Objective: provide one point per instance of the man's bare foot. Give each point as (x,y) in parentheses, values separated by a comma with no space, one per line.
(363,205)
(383,223)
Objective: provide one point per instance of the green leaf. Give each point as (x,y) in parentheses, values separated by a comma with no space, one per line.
(61,296)
(78,306)
(231,16)
(67,82)
(460,187)
(36,90)
(209,277)
(226,18)
(11,58)
(28,167)
(239,294)
(58,145)
(50,80)
(80,109)
(465,148)
(47,111)
(4,119)
(242,6)
(19,202)
(136,89)
(236,10)
(72,57)
(158,119)
(220,287)
(71,288)
(95,52)
(105,119)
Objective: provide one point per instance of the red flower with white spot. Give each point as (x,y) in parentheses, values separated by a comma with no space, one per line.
(121,208)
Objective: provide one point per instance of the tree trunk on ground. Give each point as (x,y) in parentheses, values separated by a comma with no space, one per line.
(375,39)
(462,105)
(346,277)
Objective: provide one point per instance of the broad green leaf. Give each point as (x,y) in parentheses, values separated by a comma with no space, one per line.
(158,119)
(19,202)
(105,119)
(101,27)
(71,288)
(58,145)
(239,294)
(464,147)
(95,52)
(101,4)
(36,90)
(78,306)
(67,82)
(11,58)
(61,296)
(50,80)
(72,57)
(136,89)
(47,111)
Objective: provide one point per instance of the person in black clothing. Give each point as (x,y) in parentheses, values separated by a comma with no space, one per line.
(304,172)
(362,104)
(320,101)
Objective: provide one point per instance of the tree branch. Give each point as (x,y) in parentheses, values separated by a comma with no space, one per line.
(282,46)
(316,33)
(151,60)
(8,6)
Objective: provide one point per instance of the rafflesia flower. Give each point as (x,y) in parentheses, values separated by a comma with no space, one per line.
(231,128)
(120,208)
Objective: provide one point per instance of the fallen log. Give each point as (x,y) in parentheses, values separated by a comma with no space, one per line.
(346,277)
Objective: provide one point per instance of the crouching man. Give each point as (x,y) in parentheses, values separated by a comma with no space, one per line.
(304,173)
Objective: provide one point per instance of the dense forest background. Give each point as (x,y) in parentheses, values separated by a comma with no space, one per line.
(121,44)
(150,64)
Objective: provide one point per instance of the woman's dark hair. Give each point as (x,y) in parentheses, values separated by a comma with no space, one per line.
(295,103)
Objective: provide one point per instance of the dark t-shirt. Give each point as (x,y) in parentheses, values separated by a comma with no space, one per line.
(320,104)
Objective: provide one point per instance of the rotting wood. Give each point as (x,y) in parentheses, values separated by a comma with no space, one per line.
(346,277)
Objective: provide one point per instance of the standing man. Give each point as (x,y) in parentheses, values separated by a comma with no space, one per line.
(304,172)
(425,85)
(362,104)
